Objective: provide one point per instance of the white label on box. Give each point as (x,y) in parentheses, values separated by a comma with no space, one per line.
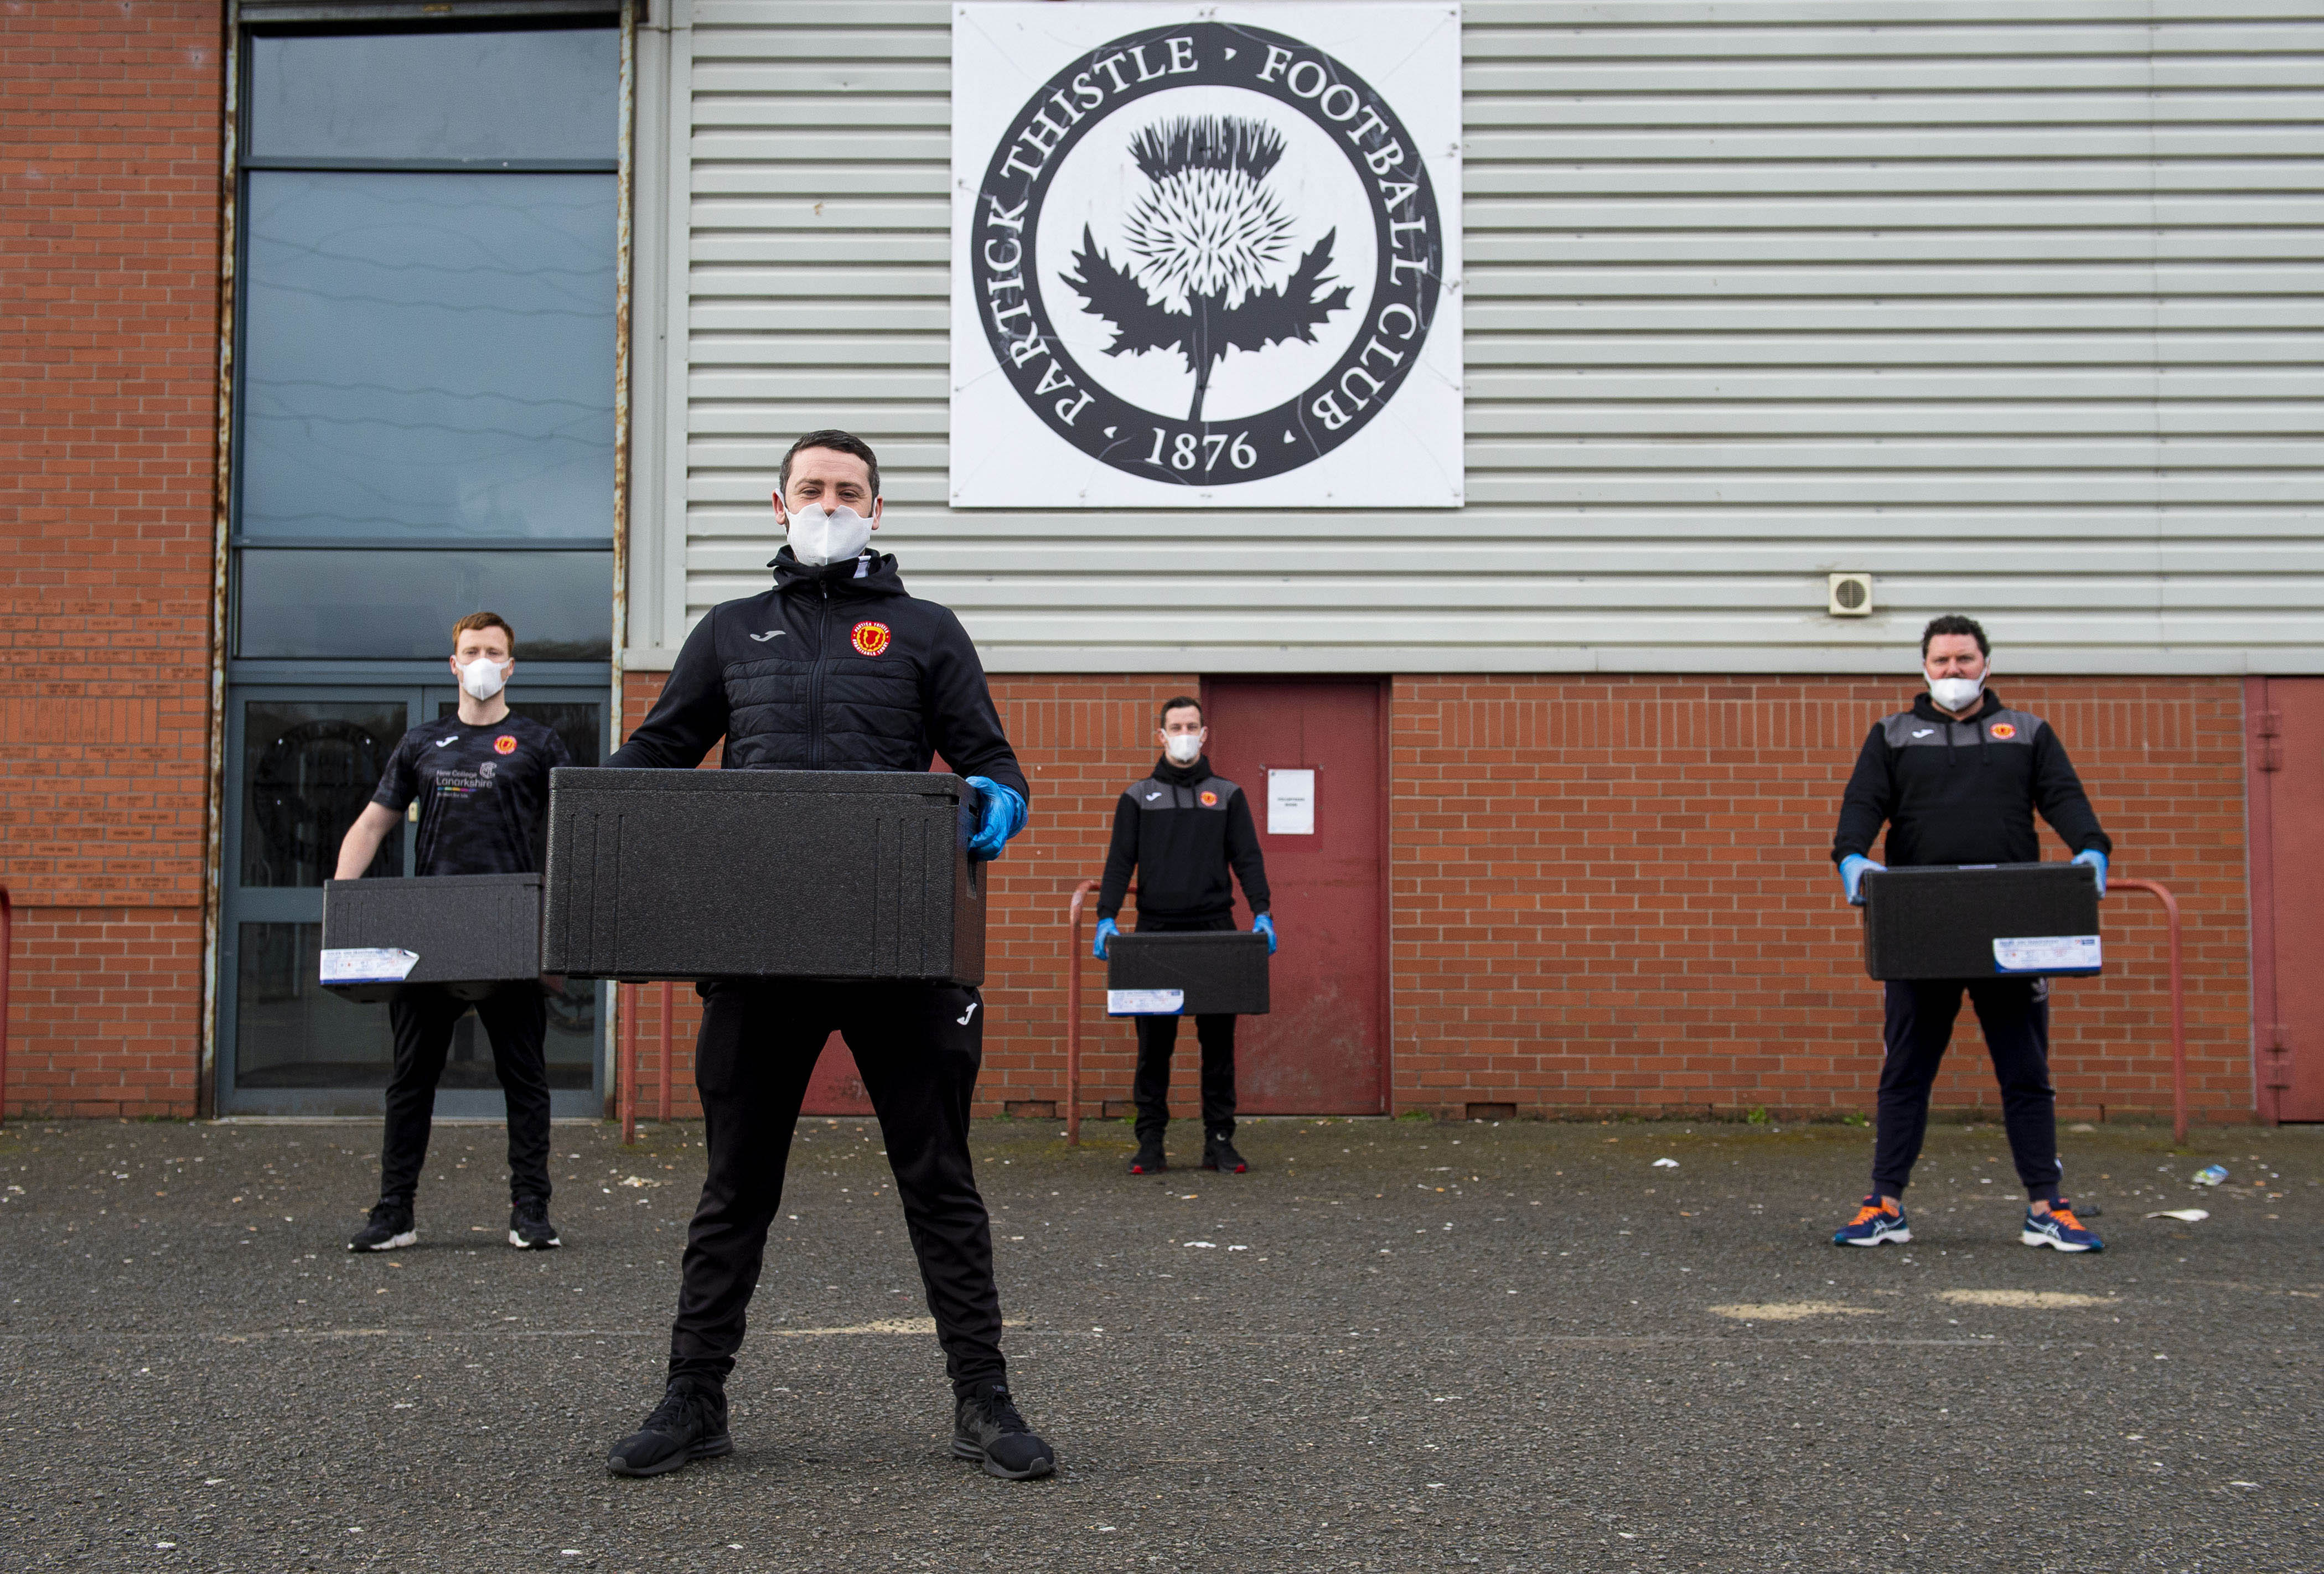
(2048,954)
(1291,803)
(1145,1002)
(368,964)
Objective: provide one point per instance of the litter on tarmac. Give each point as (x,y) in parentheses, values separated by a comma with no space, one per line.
(2209,1175)
(2189,1215)
(1666,1164)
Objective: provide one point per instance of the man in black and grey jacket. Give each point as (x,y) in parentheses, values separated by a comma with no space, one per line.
(1181,829)
(838,668)
(1958,779)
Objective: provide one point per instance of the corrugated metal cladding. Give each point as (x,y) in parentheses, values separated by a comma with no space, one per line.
(2013,303)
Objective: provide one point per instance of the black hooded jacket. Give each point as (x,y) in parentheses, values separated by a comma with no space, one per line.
(1181,829)
(1963,792)
(835,668)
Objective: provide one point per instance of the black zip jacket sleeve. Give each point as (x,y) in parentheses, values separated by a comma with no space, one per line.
(1963,791)
(834,669)
(1181,829)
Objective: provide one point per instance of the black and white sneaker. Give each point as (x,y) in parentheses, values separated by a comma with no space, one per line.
(688,1424)
(987,1428)
(389,1229)
(530,1230)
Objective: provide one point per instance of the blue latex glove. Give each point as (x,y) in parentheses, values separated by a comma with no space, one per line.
(2096,860)
(1852,870)
(1106,930)
(1004,815)
(1264,924)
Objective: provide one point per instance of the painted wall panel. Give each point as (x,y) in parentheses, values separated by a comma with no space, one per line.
(2018,307)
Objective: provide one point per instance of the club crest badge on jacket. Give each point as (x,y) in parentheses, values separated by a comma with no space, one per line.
(871,639)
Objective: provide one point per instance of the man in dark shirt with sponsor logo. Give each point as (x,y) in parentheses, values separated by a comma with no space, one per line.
(1957,780)
(480,779)
(1181,829)
(836,667)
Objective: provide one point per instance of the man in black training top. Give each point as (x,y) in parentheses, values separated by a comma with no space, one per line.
(835,668)
(1957,780)
(1181,829)
(482,782)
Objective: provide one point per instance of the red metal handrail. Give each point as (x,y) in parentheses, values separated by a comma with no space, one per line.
(663,1118)
(625,1070)
(1073,1013)
(8,950)
(2161,893)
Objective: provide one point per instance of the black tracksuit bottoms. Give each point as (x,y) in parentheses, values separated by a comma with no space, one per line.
(1158,1040)
(515,1015)
(2015,1016)
(919,1047)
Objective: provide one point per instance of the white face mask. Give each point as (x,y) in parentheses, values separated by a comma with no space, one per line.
(483,678)
(820,535)
(1954,694)
(1184,748)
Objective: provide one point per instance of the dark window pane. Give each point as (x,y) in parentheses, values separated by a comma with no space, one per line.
(309,767)
(404,604)
(290,1032)
(550,93)
(427,355)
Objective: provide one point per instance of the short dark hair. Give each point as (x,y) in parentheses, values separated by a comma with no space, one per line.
(484,620)
(1183,702)
(1954,624)
(837,441)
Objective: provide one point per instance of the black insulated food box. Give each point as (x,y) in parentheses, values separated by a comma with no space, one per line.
(1980,921)
(766,874)
(468,929)
(1218,971)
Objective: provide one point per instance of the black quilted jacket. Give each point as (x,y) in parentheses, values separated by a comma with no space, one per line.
(835,668)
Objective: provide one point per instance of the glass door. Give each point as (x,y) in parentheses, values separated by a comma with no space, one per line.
(301,764)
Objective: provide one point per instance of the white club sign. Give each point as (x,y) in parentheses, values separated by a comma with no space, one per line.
(1206,256)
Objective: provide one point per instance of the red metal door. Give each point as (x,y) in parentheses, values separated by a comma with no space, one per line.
(2286,719)
(1324,1051)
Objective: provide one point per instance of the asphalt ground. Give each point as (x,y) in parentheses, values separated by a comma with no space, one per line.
(1391,1345)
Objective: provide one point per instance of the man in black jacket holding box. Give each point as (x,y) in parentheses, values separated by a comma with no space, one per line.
(838,668)
(478,784)
(1181,829)
(1957,780)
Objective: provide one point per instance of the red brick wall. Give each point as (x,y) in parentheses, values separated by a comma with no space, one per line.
(1616,894)
(110,120)
(102,1004)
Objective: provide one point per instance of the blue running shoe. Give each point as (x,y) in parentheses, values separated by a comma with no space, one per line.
(1873,1223)
(2059,1228)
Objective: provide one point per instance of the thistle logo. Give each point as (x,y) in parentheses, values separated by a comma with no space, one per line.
(1208,232)
(1206,253)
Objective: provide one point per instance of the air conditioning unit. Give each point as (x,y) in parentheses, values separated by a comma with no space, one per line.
(1851,595)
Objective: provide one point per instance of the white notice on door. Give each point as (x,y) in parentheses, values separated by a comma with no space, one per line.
(1291,803)
(2048,954)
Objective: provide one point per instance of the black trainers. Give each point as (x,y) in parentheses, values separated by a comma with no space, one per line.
(688,1424)
(1219,1153)
(987,1428)
(530,1230)
(1150,1159)
(389,1229)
